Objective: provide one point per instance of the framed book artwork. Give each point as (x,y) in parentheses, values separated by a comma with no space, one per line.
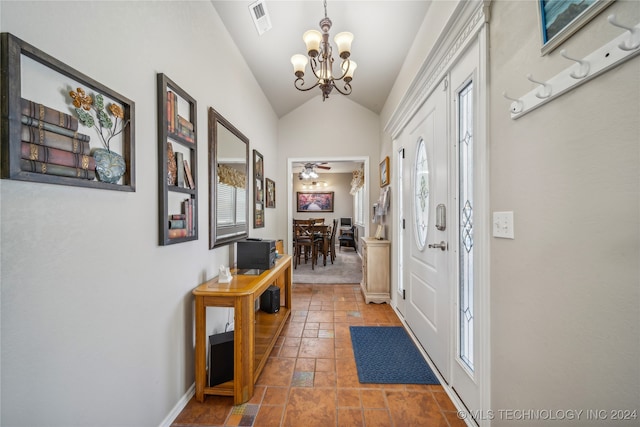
(271,193)
(48,115)
(384,172)
(560,19)
(258,189)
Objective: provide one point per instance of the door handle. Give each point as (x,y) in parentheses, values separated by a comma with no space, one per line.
(442,245)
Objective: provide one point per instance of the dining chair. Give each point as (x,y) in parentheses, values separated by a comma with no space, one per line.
(332,241)
(303,242)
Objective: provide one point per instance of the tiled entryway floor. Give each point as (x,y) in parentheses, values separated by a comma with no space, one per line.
(310,378)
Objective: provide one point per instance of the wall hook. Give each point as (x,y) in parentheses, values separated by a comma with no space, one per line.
(584,66)
(545,91)
(632,43)
(516,105)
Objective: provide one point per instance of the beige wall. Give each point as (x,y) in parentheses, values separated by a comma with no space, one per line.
(565,294)
(97,319)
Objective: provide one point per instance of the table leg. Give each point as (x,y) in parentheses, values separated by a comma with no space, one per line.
(201,350)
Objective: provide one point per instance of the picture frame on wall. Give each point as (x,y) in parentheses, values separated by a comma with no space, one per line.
(384,172)
(314,201)
(560,19)
(258,189)
(270,185)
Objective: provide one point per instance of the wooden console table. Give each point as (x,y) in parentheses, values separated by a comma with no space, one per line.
(255,332)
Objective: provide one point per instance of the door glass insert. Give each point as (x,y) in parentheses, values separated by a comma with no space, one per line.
(421,194)
(465,207)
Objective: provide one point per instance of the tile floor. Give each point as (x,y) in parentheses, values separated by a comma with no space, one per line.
(310,378)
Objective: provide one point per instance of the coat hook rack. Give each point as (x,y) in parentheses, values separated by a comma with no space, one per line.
(516,105)
(584,66)
(611,54)
(632,42)
(545,90)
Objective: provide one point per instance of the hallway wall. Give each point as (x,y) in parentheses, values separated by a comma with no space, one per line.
(565,294)
(97,319)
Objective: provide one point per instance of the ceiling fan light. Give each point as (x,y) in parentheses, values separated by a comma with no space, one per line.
(299,63)
(313,174)
(312,39)
(343,41)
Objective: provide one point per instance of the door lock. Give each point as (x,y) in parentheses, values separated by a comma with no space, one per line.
(442,245)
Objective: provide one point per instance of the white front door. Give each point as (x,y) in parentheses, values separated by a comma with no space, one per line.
(426,265)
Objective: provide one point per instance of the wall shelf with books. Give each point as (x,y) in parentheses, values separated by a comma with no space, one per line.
(177,163)
(51,131)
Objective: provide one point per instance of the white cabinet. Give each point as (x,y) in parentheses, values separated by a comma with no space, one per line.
(375,270)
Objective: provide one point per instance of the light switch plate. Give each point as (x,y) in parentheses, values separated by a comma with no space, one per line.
(503,225)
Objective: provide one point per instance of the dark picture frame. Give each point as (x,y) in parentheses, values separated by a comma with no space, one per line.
(11,53)
(314,201)
(270,193)
(560,19)
(384,172)
(258,189)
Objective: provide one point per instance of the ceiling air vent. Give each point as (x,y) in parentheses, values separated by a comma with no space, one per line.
(260,16)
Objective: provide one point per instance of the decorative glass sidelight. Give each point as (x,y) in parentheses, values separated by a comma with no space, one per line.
(465,207)
(421,194)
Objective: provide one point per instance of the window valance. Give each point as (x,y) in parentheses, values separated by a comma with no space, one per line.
(231,176)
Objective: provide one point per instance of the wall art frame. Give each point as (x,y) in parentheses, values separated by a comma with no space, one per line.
(258,189)
(270,193)
(560,19)
(384,172)
(12,52)
(316,201)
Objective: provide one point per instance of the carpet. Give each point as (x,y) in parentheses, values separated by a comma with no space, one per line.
(387,355)
(346,268)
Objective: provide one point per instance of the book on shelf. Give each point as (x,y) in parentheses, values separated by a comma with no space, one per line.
(184,123)
(177,232)
(54,140)
(187,172)
(50,155)
(180,171)
(177,216)
(189,212)
(32,121)
(48,114)
(177,223)
(53,169)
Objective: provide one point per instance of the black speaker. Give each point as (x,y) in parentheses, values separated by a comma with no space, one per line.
(220,358)
(270,300)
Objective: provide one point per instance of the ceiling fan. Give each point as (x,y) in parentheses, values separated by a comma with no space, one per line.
(309,169)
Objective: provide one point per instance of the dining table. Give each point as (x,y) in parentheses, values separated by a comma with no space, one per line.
(321,233)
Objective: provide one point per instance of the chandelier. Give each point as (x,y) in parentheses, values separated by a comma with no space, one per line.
(321,59)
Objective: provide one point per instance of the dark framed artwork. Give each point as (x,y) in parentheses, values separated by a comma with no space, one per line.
(39,93)
(384,172)
(314,202)
(270,185)
(560,19)
(258,189)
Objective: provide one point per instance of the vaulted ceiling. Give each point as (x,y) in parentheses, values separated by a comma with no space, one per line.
(383,33)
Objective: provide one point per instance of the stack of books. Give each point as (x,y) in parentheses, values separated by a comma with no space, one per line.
(50,143)
(183,225)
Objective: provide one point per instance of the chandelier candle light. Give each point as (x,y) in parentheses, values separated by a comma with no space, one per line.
(319,51)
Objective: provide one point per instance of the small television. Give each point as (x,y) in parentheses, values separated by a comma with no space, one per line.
(345,223)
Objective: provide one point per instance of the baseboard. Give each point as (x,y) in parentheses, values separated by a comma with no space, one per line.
(182,403)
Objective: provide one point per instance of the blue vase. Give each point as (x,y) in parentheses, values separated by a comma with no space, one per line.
(110,166)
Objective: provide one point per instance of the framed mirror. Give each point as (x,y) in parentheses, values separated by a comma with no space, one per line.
(228,182)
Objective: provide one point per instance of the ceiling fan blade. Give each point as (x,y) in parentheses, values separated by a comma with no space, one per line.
(323,167)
